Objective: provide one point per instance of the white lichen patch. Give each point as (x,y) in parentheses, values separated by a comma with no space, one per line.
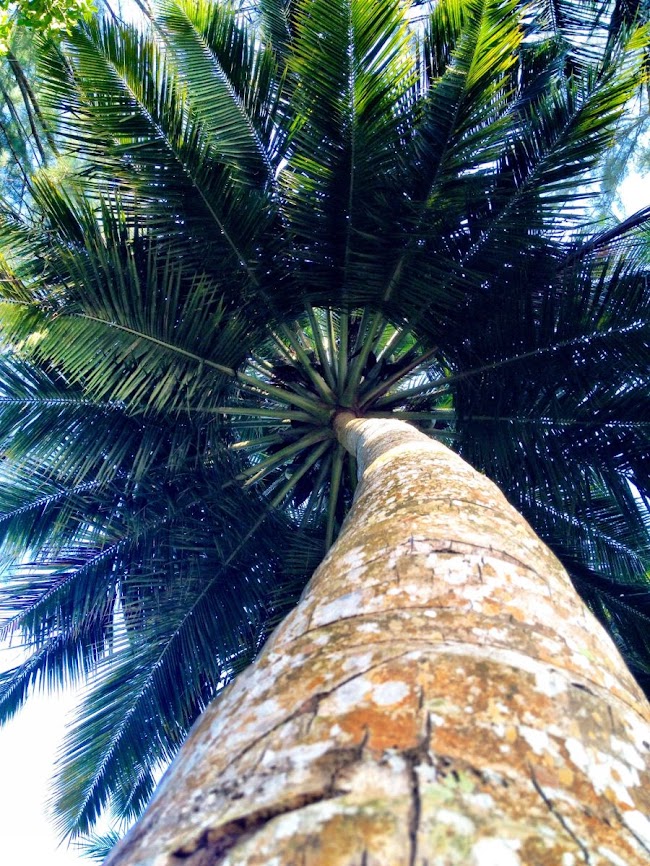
(639,729)
(461,824)
(537,740)
(496,852)
(271,788)
(298,756)
(395,762)
(296,624)
(569,859)
(640,825)
(259,719)
(480,802)
(353,558)
(611,683)
(357,663)
(499,635)
(496,708)
(345,606)
(416,592)
(580,660)
(388,693)
(269,709)
(217,726)
(550,682)
(604,771)
(610,857)
(350,694)
(427,774)
(369,628)
(627,752)
(305,821)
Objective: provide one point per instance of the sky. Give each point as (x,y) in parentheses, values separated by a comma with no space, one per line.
(635,194)
(28,745)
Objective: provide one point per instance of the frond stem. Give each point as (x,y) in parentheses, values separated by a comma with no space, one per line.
(386,384)
(259,470)
(317,380)
(320,347)
(315,455)
(335,485)
(311,406)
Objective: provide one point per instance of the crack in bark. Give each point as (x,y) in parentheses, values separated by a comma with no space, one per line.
(560,818)
(213,845)
(415,813)
(444,545)
(595,689)
(309,705)
(414,757)
(461,548)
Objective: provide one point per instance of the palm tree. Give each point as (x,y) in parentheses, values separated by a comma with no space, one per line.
(339,210)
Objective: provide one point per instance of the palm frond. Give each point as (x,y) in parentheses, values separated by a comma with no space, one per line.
(232,86)
(127,112)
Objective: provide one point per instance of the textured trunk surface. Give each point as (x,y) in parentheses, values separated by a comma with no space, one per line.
(440,696)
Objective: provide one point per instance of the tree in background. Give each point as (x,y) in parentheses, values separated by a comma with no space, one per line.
(51,18)
(338,206)
(25,140)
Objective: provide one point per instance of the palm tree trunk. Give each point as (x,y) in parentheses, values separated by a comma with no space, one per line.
(439,696)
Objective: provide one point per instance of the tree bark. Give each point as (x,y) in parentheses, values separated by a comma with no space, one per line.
(440,696)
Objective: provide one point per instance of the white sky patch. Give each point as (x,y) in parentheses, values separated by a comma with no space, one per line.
(28,745)
(635,194)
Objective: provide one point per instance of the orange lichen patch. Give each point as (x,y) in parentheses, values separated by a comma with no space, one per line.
(386,713)
(566,777)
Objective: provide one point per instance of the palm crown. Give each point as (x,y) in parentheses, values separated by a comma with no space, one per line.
(339,205)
